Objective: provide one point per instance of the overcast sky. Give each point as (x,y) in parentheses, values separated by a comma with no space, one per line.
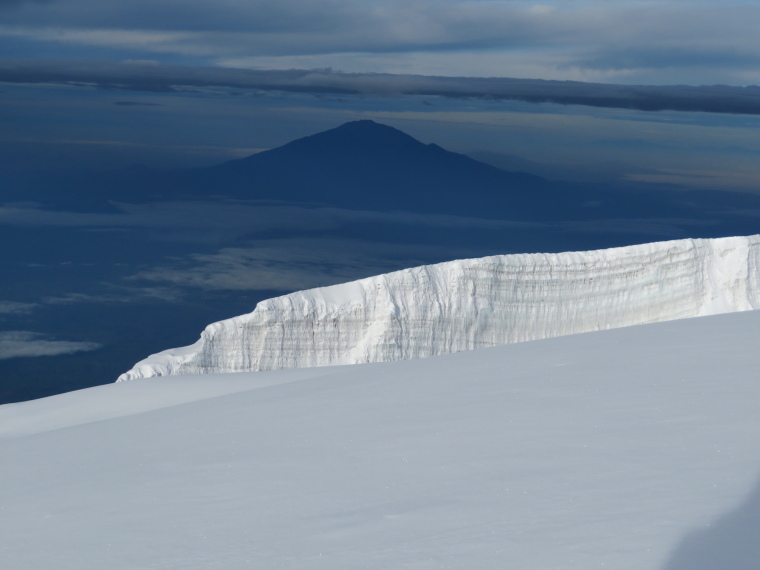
(626,41)
(640,90)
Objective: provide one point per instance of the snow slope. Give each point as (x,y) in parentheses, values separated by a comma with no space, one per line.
(476,303)
(630,449)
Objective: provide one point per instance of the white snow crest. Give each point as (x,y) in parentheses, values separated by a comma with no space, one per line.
(474,303)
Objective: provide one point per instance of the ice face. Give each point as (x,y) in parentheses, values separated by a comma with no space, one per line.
(475,303)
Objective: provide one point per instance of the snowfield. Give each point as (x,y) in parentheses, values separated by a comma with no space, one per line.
(476,303)
(628,449)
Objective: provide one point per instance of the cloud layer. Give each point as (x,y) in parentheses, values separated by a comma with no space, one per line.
(167,78)
(24,343)
(292,264)
(628,40)
(15,308)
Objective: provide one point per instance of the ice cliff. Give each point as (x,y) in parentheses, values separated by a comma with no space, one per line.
(475,303)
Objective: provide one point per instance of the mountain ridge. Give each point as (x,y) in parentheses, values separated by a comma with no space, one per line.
(368,165)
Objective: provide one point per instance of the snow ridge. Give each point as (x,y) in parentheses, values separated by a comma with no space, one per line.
(475,303)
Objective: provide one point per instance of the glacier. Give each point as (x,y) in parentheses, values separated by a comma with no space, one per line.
(629,449)
(475,303)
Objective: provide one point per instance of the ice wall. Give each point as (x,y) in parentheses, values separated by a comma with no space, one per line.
(474,303)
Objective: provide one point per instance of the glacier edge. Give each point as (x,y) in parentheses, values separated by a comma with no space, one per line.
(475,303)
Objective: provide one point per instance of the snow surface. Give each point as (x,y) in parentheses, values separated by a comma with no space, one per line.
(630,449)
(476,303)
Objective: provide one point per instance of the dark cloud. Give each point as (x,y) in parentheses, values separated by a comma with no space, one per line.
(212,222)
(254,16)
(152,77)
(10,3)
(136,104)
(216,222)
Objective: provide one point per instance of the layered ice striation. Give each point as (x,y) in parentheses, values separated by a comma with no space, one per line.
(475,303)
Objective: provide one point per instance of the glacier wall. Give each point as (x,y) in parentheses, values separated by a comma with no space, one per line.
(475,303)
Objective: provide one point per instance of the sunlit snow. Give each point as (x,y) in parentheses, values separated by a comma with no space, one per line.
(476,303)
(629,449)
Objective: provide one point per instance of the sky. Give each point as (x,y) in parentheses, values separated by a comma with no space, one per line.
(630,94)
(630,41)
(172,83)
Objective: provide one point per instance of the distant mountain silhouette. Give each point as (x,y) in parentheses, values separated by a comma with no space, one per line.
(364,165)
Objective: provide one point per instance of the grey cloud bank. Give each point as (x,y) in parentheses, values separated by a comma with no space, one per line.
(15,308)
(142,76)
(627,41)
(24,343)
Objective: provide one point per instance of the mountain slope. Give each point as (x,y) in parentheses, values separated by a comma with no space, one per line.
(602,450)
(475,303)
(363,165)
(366,165)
